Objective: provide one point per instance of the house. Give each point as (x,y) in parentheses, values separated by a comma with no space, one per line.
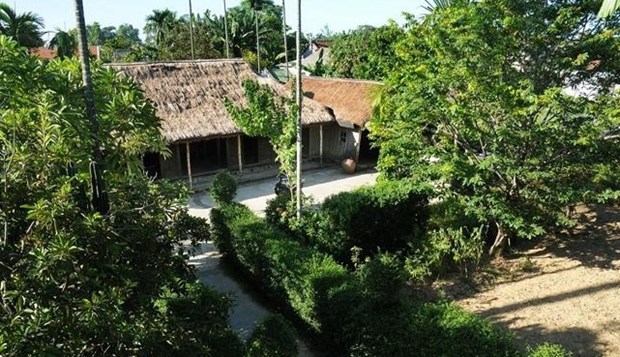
(189,97)
(351,102)
(49,54)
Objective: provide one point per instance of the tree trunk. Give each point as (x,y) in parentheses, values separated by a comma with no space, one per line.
(100,198)
(501,239)
(191,30)
(284,33)
(226,30)
(299,97)
(257,42)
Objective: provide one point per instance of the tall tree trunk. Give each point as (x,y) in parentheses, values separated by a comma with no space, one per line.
(191,29)
(226,30)
(257,42)
(100,198)
(299,95)
(500,241)
(284,34)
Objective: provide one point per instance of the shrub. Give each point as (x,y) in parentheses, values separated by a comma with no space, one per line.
(274,337)
(384,217)
(224,188)
(549,350)
(359,313)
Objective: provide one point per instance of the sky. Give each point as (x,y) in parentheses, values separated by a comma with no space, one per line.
(339,15)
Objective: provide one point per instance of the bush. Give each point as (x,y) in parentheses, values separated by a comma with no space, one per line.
(359,313)
(274,337)
(549,350)
(385,217)
(224,188)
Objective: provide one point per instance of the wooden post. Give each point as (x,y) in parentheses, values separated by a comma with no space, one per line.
(358,143)
(189,165)
(321,144)
(239,154)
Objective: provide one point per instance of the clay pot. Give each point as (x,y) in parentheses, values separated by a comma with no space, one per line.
(349,165)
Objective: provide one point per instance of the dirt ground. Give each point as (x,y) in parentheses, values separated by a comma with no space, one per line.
(564,290)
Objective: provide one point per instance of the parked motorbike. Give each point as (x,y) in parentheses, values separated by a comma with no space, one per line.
(283,185)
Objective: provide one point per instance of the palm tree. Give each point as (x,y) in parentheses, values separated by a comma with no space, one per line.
(226,30)
(24,28)
(299,103)
(256,5)
(191,29)
(159,24)
(608,8)
(285,38)
(64,43)
(99,196)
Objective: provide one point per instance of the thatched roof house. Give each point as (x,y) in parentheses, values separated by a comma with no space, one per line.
(189,96)
(351,100)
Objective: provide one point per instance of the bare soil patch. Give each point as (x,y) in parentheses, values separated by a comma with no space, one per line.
(565,289)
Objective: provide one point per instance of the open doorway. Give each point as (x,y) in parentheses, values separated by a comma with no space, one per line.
(368,153)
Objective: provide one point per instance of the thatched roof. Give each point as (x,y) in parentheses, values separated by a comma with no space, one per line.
(351,100)
(189,96)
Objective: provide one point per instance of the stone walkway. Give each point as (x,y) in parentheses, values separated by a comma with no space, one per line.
(247,312)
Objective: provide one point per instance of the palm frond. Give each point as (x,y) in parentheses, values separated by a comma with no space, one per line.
(608,8)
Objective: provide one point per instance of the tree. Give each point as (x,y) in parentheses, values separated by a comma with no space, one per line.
(608,7)
(24,28)
(177,47)
(158,25)
(99,195)
(74,281)
(64,43)
(271,116)
(474,106)
(366,53)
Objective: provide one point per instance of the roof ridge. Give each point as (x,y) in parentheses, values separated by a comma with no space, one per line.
(214,60)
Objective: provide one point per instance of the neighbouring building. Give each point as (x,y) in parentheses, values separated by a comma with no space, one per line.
(351,102)
(189,97)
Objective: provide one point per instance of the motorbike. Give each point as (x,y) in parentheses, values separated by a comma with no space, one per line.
(283,185)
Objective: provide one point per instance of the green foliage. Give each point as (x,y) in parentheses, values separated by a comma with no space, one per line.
(224,188)
(486,118)
(272,116)
(72,281)
(366,53)
(24,28)
(355,314)
(384,217)
(274,337)
(549,350)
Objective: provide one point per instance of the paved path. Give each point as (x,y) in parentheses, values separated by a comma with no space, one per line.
(247,312)
(318,183)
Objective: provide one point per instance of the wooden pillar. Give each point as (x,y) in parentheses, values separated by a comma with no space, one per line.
(358,143)
(189,164)
(239,154)
(321,144)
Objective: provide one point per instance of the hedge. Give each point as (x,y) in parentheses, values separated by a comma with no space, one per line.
(360,313)
(274,337)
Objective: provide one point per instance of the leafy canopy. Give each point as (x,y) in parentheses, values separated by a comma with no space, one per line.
(475,105)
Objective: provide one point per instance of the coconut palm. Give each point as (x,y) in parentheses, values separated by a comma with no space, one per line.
(159,24)
(99,196)
(226,37)
(608,7)
(64,43)
(24,28)
(257,6)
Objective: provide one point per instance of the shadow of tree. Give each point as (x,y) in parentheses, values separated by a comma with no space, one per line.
(595,242)
(581,342)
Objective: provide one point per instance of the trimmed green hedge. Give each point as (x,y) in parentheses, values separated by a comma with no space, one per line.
(360,313)
(274,337)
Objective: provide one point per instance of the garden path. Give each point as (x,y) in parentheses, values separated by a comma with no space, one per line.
(248,310)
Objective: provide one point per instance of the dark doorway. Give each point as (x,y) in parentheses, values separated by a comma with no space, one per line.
(152,166)
(250,150)
(305,141)
(206,156)
(368,153)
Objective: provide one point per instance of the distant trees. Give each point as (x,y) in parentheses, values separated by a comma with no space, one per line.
(474,103)
(158,25)
(65,43)
(24,28)
(366,53)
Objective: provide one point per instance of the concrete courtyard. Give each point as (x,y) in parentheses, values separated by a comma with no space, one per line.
(318,183)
